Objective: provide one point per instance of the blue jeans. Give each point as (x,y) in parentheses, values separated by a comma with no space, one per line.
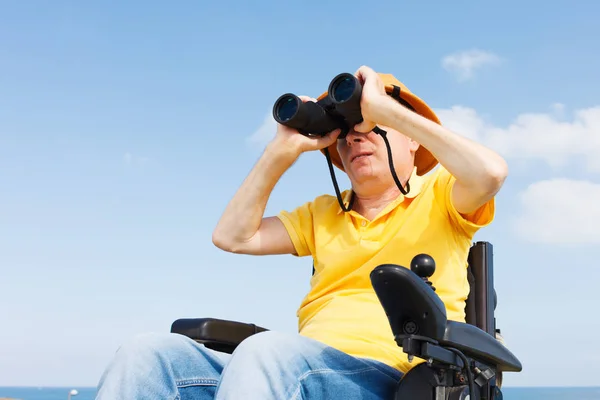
(268,365)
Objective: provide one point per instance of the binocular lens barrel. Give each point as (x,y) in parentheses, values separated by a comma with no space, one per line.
(340,109)
(344,87)
(345,90)
(307,117)
(286,107)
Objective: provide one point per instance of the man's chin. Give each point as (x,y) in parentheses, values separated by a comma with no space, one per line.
(362,172)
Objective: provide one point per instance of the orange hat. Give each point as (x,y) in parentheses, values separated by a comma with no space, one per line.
(424,160)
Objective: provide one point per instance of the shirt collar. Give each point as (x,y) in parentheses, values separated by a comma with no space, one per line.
(416,184)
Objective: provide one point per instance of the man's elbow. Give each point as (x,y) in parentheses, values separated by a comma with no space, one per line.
(496,175)
(222,242)
(226,243)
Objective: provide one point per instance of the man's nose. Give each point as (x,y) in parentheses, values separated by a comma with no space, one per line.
(354,137)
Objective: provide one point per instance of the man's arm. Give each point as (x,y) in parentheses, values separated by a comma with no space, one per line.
(479,171)
(242,227)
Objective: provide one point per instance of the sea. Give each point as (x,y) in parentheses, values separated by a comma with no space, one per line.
(509,393)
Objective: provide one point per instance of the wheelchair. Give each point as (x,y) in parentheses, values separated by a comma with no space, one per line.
(460,361)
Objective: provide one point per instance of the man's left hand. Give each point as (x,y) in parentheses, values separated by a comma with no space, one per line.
(373,94)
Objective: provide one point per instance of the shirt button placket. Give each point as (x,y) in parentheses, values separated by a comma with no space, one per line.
(363,225)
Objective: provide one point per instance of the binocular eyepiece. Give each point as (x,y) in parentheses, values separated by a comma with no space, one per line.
(339,109)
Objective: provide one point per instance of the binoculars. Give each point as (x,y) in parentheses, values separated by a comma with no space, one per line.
(340,108)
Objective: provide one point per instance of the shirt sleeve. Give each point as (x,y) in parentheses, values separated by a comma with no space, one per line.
(299,224)
(468,224)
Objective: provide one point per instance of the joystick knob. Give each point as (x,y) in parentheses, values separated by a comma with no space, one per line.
(424,266)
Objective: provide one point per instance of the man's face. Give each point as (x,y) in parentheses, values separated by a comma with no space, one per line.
(365,158)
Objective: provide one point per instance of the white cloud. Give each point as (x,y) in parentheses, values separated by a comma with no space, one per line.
(557,211)
(265,132)
(545,137)
(560,211)
(464,63)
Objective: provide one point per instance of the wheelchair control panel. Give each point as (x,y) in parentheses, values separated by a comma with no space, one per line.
(456,358)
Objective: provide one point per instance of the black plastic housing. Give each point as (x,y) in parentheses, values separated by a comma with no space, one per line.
(340,109)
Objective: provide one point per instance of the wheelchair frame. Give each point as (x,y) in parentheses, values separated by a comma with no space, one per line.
(420,327)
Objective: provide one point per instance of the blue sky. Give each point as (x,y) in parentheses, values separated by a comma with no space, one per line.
(126,128)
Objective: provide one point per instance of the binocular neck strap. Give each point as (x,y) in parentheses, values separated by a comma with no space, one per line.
(396,95)
(338,194)
(383,134)
(335,184)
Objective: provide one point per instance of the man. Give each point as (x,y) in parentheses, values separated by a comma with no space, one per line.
(345,348)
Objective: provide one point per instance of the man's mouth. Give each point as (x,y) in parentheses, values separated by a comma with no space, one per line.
(360,156)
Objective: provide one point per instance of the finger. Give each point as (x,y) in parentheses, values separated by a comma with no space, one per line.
(307,98)
(364,127)
(360,75)
(333,135)
(329,138)
(363,73)
(363,69)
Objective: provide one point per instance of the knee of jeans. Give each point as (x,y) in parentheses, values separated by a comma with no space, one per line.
(152,345)
(270,346)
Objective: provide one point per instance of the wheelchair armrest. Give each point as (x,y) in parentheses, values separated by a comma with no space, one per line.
(217,334)
(479,345)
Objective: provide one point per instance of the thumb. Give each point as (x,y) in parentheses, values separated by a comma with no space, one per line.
(328,139)
(364,126)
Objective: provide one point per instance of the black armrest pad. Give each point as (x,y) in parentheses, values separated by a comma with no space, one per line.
(217,334)
(475,343)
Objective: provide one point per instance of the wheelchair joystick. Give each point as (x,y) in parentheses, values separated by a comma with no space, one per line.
(424,266)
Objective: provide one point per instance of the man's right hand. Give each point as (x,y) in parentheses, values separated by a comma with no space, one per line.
(292,142)
(242,227)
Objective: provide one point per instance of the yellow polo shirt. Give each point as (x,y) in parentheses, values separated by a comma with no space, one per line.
(341,308)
